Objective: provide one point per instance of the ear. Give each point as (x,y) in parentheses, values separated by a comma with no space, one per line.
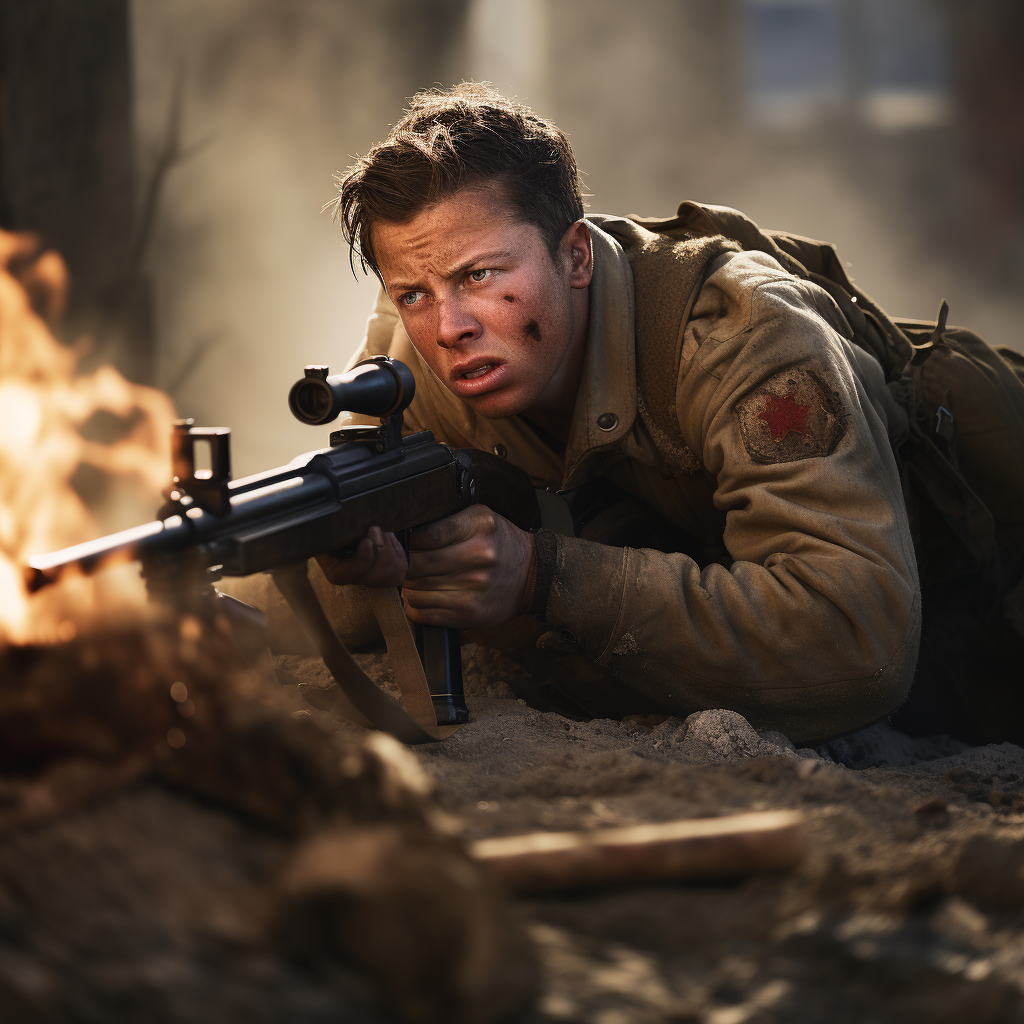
(579,254)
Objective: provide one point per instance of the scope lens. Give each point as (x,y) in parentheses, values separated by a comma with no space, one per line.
(312,401)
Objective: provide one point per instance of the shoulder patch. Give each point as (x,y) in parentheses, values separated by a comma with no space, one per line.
(792,416)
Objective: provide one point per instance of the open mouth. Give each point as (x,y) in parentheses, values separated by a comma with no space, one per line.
(478,379)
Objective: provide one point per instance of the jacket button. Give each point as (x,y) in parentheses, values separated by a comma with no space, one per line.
(607,421)
(501,451)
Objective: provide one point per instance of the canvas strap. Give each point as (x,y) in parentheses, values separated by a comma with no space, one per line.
(667,278)
(356,697)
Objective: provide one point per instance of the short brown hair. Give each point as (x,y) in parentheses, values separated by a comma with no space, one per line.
(455,138)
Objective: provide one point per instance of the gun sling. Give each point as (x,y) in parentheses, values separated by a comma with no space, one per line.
(356,698)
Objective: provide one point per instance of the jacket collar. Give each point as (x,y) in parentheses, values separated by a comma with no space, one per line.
(606,402)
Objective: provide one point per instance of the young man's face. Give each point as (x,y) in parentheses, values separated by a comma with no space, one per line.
(494,316)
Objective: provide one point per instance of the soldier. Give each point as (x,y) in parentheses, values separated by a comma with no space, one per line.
(742,535)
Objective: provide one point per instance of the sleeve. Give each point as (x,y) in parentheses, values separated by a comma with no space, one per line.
(813,629)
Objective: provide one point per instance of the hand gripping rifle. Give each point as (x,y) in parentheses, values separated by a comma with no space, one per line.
(325,500)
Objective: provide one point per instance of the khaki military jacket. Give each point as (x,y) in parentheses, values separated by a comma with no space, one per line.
(809,620)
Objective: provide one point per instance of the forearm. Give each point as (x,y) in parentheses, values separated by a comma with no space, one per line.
(762,641)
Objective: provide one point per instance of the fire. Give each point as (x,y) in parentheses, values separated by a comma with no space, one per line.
(44,404)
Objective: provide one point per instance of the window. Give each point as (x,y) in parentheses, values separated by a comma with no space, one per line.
(879,61)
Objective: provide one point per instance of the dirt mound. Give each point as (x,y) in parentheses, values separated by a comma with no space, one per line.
(182,841)
(908,908)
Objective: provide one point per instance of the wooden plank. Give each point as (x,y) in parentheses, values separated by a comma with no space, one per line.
(688,850)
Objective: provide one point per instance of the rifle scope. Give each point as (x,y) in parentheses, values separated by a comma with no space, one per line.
(375,387)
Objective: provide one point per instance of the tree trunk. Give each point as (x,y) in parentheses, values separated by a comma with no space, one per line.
(66,145)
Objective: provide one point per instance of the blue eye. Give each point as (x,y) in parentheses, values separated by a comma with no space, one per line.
(409,298)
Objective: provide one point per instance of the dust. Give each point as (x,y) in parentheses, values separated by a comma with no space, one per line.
(256,867)
(909,905)
(251,279)
(627,645)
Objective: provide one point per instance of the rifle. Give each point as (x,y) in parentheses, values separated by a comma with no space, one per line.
(324,500)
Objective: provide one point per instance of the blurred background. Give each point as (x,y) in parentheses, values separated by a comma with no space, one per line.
(178,152)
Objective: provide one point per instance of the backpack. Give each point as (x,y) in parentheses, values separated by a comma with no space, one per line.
(962,469)
(964,399)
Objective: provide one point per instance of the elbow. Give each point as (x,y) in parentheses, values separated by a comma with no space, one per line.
(872,688)
(886,658)
(897,673)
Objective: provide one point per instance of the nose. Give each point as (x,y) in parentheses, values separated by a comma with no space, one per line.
(455,324)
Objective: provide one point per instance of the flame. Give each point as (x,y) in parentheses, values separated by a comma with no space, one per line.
(43,405)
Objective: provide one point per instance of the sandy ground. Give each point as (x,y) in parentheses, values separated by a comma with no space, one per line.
(909,905)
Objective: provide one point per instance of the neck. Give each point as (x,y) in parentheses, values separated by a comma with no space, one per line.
(553,412)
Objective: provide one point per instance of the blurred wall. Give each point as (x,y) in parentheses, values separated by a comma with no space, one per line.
(67,160)
(851,120)
(252,281)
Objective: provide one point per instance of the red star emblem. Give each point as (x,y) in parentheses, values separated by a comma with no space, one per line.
(783,415)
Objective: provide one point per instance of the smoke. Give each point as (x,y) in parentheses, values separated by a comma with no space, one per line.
(252,281)
(661,103)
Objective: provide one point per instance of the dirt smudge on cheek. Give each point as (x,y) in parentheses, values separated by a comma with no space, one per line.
(532,331)
(510,298)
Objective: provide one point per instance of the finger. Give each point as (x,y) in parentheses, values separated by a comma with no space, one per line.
(468,580)
(466,556)
(436,599)
(342,569)
(377,561)
(389,562)
(452,529)
(438,617)
(454,609)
